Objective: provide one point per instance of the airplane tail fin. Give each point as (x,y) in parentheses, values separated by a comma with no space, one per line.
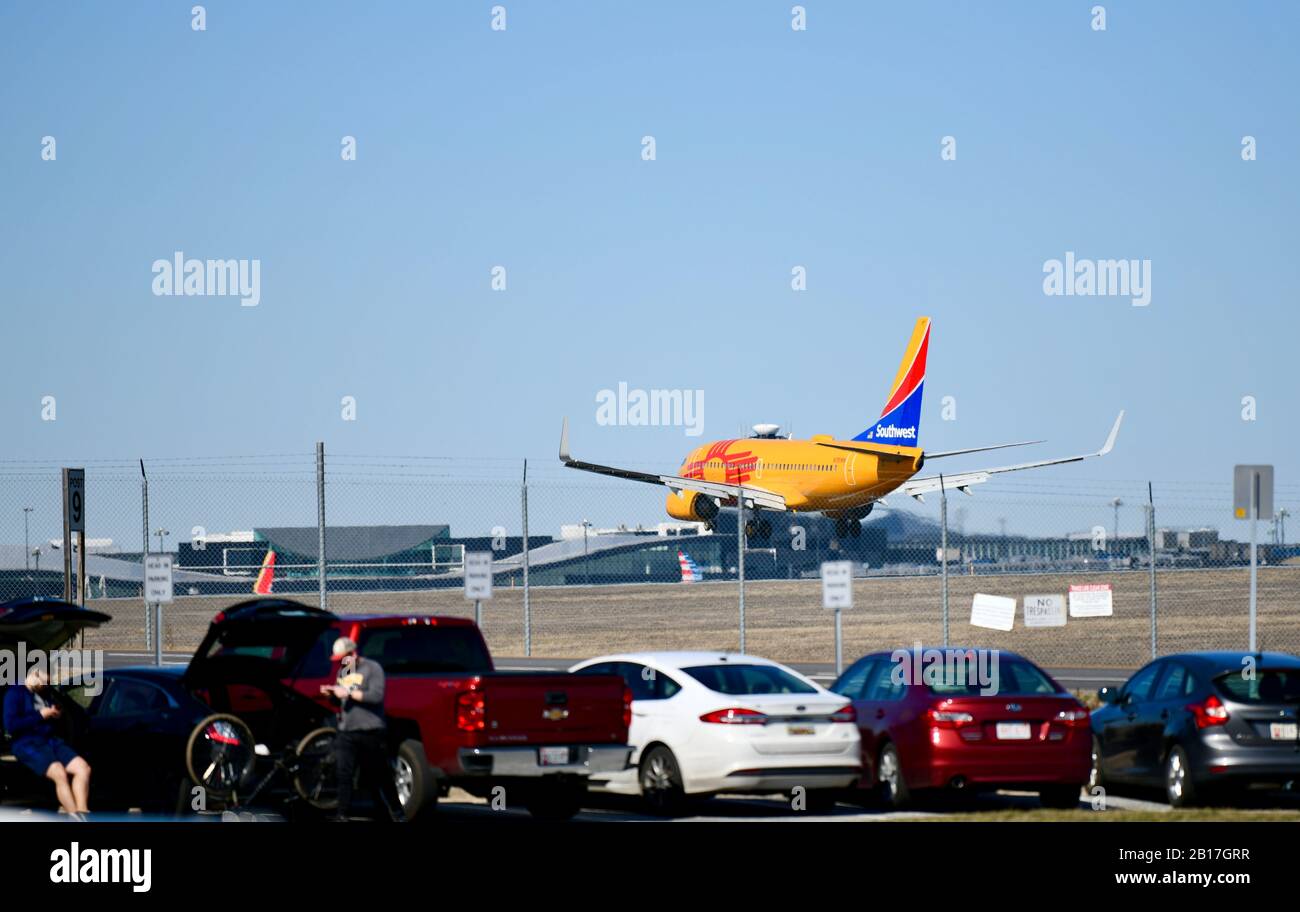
(690,570)
(265,576)
(900,420)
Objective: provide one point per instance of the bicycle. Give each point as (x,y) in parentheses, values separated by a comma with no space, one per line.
(221,757)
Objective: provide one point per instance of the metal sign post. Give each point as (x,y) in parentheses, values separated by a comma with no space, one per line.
(943,548)
(158,590)
(837,594)
(528,618)
(740,559)
(1252,496)
(478,581)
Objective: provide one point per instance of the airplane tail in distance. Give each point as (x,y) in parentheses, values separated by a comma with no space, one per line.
(691,573)
(900,420)
(265,576)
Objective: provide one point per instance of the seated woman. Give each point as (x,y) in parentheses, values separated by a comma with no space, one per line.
(27,714)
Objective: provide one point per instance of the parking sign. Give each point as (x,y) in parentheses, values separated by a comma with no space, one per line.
(74,499)
(158,586)
(837,584)
(478,575)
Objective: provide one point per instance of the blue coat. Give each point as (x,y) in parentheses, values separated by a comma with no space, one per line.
(21,718)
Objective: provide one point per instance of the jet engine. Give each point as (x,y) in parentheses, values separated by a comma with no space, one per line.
(692,506)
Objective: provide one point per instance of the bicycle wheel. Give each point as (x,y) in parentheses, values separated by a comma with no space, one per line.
(220,755)
(314,776)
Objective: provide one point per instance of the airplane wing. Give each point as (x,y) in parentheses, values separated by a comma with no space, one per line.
(754,496)
(919,487)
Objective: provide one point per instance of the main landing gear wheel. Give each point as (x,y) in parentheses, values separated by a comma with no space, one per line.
(847,528)
(220,756)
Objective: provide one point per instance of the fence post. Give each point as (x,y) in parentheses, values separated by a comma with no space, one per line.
(144,504)
(943,549)
(1151,538)
(528,618)
(320,520)
(740,558)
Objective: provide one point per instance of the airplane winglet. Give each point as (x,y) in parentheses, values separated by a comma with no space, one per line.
(1114,433)
(564,442)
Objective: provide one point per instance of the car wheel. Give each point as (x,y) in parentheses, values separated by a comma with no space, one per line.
(893,786)
(413,779)
(660,779)
(1060,797)
(1096,778)
(1180,790)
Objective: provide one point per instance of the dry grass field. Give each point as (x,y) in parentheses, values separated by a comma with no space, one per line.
(1198,609)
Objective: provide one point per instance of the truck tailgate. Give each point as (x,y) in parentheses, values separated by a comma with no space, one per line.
(528,708)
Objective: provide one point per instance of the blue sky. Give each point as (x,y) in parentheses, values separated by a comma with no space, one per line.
(522,148)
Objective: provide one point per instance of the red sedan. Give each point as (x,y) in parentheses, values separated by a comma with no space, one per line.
(966,719)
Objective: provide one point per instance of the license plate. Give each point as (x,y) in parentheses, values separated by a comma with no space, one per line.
(1282,731)
(555,756)
(1013,731)
(801,730)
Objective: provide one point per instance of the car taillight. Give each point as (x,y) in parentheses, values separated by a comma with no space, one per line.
(1209,713)
(947,718)
(845,713)
(627,706)
(471,709)
(735,717)
(1074,717)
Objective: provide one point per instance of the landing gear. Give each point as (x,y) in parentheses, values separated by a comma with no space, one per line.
(847,528)
(758,529)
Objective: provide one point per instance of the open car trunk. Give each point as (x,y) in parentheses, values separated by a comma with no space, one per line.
(245,663)
(44,624)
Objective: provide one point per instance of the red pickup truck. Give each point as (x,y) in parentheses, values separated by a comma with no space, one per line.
(452,719)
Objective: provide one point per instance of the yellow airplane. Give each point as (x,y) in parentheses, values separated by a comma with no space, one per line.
(842,479)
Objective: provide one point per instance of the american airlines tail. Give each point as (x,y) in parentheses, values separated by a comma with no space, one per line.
(691,573)
(900,420)
(265,576)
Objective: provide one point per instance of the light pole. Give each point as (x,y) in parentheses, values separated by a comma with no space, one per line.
(1116,503)
(27,542)
(162,534)
(586,561)
(1282,514)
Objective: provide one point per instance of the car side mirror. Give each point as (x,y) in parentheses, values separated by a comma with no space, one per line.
(1108,695)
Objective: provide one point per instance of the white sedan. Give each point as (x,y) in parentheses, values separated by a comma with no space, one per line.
(710,722)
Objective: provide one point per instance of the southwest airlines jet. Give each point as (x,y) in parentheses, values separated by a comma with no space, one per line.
(842,479)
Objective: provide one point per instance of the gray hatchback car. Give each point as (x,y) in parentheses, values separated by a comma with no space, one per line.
(1201,725)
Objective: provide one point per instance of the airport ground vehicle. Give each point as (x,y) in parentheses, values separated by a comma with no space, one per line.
(709,722)
(1202,726)
(452,719)
(945,729)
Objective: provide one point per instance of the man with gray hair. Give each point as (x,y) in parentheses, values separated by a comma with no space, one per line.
(362,738)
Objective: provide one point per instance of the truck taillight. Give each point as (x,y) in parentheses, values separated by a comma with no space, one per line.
(627,706)
(845,713)
(471,711)
(1209,713)
(735,717)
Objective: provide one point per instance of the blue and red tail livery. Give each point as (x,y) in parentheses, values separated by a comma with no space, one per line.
(900,420)
(691,573)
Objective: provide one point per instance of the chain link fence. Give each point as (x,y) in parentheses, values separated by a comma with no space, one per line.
(606,568)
